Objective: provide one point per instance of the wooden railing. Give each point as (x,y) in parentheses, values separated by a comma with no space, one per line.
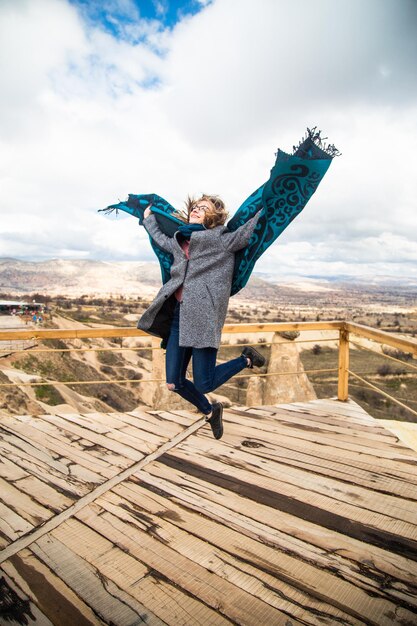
(345,332)
(381,337)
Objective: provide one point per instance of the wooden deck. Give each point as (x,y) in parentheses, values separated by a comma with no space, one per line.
(301,514)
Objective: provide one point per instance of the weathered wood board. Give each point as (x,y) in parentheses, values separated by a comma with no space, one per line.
(301,514)
(47,463)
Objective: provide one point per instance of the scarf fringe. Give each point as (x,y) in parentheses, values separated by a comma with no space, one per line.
(315,136)
(108,210)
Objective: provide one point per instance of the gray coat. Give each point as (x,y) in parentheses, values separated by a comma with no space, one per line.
(206,277)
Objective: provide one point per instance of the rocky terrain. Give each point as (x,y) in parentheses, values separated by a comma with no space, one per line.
(74,278)
(94,293)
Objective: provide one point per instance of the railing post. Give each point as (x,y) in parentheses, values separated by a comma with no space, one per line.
(158,372)
(343,380)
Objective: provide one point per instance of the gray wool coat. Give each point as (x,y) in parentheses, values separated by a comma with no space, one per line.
(206,278)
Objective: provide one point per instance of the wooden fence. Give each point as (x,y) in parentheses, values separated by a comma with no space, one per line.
(346,331)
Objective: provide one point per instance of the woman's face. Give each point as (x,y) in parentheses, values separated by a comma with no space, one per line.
(199,210)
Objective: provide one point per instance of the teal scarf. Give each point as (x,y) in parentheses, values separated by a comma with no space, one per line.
(188,229)
(293,180)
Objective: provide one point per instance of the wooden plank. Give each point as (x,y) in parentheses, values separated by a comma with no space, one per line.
(282,500)
(35,333)
(126,452)
(331,407)
(98,446)
(303,495)
(10,471)
(23,505)
(375,440)
(129,573)
(184,418)
(382,337)
(343,374)
(352,468)
(319,413)
(253,437)
(315,416)
(23,542)
(272,327)
(38,438)
(405,458)
(229,600)
(85,581)
(324,575)
(405,431)
(110,561)
(374,478)
(72,472)
(150,440)
(34,450)
(275,528)
(370,435)
(288,439)
(78,333)
(65,483)
(93,547)
(140,440)
(32,421)
(112,423)
(315,411)
(353,501)
(12,525)
(326,419)
(365,566)
(175,607)
(142,423)
(155,422)
(98,423)
(44,494)
(16,607)
(248,564)
(60,605)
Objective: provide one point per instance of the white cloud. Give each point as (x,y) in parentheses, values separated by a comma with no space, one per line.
(35,37)
(88,118)
(386,255)
(237,77)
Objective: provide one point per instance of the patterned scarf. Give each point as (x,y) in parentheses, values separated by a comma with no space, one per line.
(188,229)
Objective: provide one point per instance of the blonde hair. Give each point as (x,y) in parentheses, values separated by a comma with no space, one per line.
(215,215)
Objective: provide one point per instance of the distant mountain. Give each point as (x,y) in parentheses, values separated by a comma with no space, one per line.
(75,278)
(130,278)
(341,281)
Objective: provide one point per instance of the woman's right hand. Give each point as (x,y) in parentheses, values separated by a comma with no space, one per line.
(147,211)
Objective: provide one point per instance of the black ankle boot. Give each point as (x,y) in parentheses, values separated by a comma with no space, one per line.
(256,359)
(216,420)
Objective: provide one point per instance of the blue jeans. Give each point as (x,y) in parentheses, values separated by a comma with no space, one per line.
(207,376)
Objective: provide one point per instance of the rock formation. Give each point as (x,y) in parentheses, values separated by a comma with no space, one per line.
(284,357)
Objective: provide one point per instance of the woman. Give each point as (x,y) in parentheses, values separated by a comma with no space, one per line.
(190,309)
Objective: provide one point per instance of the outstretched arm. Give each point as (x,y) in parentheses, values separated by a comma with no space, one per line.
(239,238)
(151,226)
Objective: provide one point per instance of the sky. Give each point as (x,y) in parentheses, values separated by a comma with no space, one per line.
(105,98)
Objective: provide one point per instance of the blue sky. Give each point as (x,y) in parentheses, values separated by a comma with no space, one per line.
(116,97)
(114,15)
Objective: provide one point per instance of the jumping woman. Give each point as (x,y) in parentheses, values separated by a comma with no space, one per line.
(203,262)
(190,309)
